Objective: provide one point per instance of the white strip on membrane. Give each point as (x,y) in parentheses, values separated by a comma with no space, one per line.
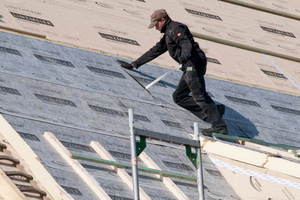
(281,71)
(254,174)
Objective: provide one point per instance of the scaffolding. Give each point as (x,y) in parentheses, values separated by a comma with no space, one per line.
(138,147)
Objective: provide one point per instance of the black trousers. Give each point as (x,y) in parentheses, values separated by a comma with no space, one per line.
(200,103)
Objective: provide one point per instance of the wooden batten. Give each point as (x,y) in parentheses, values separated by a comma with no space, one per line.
(80,170)
(166,180)
(121,172)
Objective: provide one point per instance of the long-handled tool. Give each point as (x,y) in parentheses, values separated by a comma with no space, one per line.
(156,80)
(162,76)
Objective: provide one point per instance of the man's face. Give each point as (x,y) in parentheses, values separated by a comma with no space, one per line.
(160,24)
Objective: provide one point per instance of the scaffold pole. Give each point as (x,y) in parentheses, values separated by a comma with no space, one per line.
(134,162)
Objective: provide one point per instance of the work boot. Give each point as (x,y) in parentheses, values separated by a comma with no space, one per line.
(214,113)
(221,109)
(215,129)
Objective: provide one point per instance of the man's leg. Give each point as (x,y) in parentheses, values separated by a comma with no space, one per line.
(196,83)
(182,98)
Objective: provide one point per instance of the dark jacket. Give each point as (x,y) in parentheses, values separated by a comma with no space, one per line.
(178,40)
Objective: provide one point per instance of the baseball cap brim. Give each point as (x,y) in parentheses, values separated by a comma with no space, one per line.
(152,24)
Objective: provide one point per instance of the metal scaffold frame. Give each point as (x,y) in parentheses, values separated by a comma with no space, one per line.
(138,147)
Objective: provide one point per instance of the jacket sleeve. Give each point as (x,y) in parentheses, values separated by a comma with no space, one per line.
(154,52)
(181,36)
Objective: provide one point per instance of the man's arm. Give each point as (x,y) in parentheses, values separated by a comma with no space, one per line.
(154,52)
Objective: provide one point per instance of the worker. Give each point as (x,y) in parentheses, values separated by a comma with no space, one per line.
(178,40)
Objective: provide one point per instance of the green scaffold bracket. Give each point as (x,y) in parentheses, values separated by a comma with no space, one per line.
(141,145)
(194,158)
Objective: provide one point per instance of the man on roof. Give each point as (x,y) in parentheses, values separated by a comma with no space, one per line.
(178,40)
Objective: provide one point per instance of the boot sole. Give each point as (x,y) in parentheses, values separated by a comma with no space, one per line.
(208,132)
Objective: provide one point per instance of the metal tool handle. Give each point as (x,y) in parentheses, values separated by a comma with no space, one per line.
(162,76)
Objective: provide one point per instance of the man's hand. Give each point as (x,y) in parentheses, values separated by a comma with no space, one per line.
(125,64)
(183,59)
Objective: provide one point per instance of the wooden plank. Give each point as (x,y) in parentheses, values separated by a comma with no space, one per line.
(282,146)
(283,166)
(235,152)
(270,150)
(167,138)
(33,161)
(80,170)
(121,172)
(23,32)
(166,180)
(8,189)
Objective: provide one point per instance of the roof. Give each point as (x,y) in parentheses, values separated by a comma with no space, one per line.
(63,92)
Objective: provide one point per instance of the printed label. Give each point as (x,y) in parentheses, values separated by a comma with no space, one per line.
(106,72)
(286,110)
(274,74)
(213,60)
(107,111)
(78,146)
(243,101)
(72,190)
(178,166)
(7,90)
(120,155)
(171,124)
(31,19)
(29,136)
(119,39)
(11,51)
(272,30)
(118,113)
(55,100)
(54,60)
(189,69)
(202,14)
